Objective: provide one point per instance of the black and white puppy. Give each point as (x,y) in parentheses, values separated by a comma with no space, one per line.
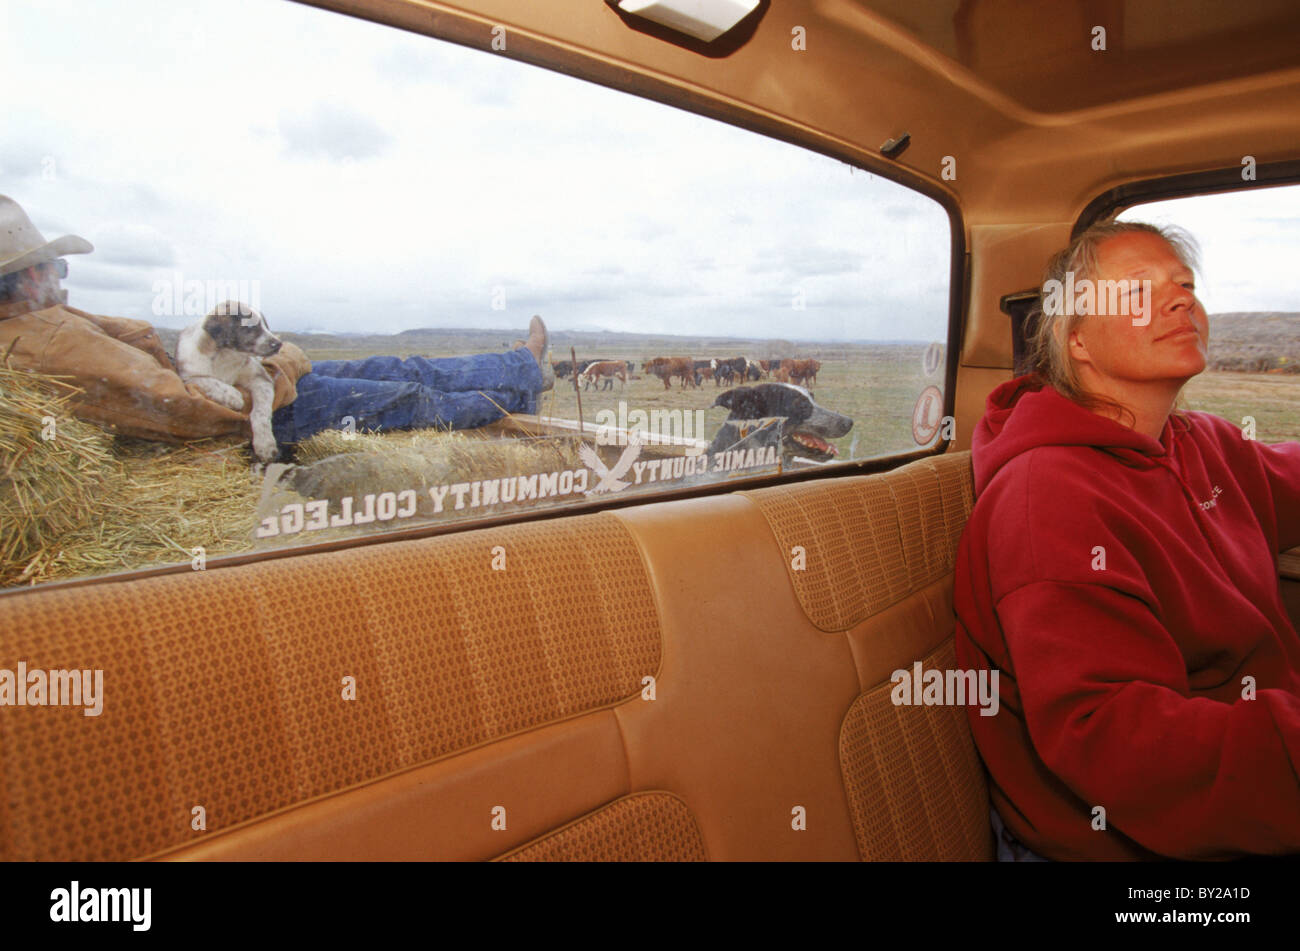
(225,350)
(779,414)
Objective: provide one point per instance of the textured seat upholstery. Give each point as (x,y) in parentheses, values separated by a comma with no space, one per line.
(879,555)
(670,681)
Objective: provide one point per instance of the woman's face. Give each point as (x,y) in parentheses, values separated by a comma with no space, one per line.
(1165,342)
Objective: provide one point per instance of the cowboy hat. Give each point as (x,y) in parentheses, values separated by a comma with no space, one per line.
(21,245)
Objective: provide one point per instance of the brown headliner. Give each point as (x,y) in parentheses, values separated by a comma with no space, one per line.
(1038,122)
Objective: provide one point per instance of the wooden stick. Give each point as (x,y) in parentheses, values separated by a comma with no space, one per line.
(574,357)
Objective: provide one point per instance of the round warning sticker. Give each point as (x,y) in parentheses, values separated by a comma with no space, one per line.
(927,415)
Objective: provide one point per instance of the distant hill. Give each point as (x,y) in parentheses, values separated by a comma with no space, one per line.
(1259,341)
(444,341)
(1255,342)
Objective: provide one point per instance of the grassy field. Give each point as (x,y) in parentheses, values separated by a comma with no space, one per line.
(1272,399)
(876,385)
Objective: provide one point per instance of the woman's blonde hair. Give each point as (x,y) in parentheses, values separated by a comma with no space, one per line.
(1049,358)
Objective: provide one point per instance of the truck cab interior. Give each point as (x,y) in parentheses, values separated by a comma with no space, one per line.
(701,671)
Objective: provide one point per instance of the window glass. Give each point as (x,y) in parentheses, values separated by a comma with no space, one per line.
(376,196)
(1250,287)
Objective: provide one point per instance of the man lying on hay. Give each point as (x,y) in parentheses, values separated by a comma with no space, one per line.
(131,386)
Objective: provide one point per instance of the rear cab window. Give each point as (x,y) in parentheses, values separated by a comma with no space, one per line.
(755,308)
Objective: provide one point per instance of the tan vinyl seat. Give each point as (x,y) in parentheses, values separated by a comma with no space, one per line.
(697,679)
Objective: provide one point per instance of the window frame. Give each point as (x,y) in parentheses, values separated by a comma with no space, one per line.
(1216,181)
(463,30)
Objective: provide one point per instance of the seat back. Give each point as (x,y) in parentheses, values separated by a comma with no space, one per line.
(703,678)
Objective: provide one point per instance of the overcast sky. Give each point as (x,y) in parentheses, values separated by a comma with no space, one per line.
(371,180)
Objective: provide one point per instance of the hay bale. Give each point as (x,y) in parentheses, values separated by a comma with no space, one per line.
(86,503)
(176,498)
(333,466)
(54,472)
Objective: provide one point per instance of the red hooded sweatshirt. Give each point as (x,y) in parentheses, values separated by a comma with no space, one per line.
(1127,592)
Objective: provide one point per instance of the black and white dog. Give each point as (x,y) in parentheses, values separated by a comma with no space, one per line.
(779,414)
(225,350)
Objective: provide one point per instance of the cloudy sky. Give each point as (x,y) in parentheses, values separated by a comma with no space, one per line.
(370,180)
(362,179)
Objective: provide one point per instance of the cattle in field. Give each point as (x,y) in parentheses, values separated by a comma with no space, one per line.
(736,368)
(801,372)
(583,364)
(729,370)
(666,368)
(565,368)
(606,370)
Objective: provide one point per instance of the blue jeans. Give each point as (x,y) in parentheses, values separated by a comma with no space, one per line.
(391,393)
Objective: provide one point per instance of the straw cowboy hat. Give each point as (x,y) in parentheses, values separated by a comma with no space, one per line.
(21,245)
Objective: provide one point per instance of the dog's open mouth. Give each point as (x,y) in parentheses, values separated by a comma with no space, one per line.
(818,449)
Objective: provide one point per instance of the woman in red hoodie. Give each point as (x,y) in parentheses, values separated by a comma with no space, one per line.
(1120,571)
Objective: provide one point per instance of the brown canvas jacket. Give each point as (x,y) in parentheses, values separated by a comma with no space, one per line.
(130,385)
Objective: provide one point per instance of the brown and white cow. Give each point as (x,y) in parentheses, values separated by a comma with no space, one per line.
(607,370)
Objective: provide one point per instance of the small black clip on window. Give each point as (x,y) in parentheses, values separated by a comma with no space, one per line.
(896,146)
